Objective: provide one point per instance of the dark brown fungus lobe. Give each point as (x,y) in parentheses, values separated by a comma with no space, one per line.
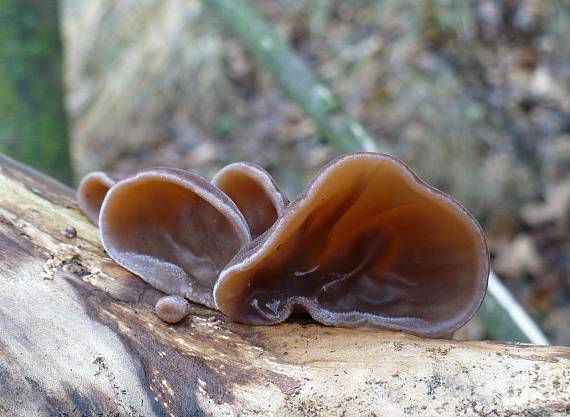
(255,193)
(367,244)
(173,229)
(92,191)
(172,308)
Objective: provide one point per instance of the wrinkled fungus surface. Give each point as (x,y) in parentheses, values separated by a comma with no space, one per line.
(174,229)
(367,244)
(255,193)
(92,191)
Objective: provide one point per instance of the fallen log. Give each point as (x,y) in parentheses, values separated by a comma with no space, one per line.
(78,337)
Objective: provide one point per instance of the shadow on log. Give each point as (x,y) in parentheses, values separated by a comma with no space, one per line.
(79,338)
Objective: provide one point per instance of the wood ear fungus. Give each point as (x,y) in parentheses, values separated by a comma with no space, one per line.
(255,193)
(367,244)
(173,229)
(172,308)
(92,191)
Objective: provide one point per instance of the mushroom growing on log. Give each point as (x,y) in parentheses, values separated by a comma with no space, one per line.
(367,244)
(255,193)
(173,229)
(87,341)
(92,191)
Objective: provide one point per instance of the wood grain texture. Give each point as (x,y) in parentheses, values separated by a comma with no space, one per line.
(78,337)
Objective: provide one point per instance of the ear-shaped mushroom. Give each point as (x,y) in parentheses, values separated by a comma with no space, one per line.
(255,193)
(92,191)
(367,244)
(174,229)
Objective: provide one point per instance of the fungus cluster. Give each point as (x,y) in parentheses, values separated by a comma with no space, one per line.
(367,244)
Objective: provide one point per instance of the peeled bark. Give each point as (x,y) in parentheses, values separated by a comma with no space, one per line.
(79,336)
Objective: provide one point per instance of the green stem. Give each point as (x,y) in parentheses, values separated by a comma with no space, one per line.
(498,323)
(275,56)
(33,125)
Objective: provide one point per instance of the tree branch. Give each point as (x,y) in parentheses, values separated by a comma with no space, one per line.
(79,336)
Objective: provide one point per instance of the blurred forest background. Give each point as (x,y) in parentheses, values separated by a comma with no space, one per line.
(473,94)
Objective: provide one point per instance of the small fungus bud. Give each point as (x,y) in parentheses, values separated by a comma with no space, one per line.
(172,308)
(70,232)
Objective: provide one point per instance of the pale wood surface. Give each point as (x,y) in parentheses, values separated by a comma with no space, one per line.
(78,337)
